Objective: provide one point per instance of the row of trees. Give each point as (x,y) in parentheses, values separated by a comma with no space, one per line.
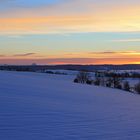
(122,75)
(113,82)
(56,72)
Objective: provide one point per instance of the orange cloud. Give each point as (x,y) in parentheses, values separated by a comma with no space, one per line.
(94,19)
(94,54)
(106,57)
(104,54)
(72,61)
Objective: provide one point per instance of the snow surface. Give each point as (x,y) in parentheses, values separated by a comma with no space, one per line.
(37,106)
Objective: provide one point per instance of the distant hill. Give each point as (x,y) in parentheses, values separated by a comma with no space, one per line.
(70,67)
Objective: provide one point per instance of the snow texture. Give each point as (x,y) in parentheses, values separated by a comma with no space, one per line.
(37,106)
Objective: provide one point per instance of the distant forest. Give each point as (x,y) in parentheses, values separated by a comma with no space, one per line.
(89,68)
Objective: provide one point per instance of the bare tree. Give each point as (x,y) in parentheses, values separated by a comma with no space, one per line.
(137,88)
(126,86)
(82,77)
(97,81)
(109,82)
(116,81)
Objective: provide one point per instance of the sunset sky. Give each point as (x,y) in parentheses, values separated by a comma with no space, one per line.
(70,31)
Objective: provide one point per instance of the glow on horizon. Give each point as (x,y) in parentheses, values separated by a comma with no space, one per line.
(72,31)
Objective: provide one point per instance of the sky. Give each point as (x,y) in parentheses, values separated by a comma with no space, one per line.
(70,31)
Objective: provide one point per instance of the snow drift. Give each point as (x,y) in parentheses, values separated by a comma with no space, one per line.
(37,106)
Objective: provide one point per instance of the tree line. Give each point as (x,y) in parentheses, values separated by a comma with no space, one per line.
(112,81)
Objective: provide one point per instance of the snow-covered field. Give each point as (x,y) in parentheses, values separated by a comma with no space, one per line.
(37,106)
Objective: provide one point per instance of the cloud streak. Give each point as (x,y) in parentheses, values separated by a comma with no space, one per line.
(1,55)
(87,16)
(24,55)
(116,52)
(127,40)
(102,57)
(72,61)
